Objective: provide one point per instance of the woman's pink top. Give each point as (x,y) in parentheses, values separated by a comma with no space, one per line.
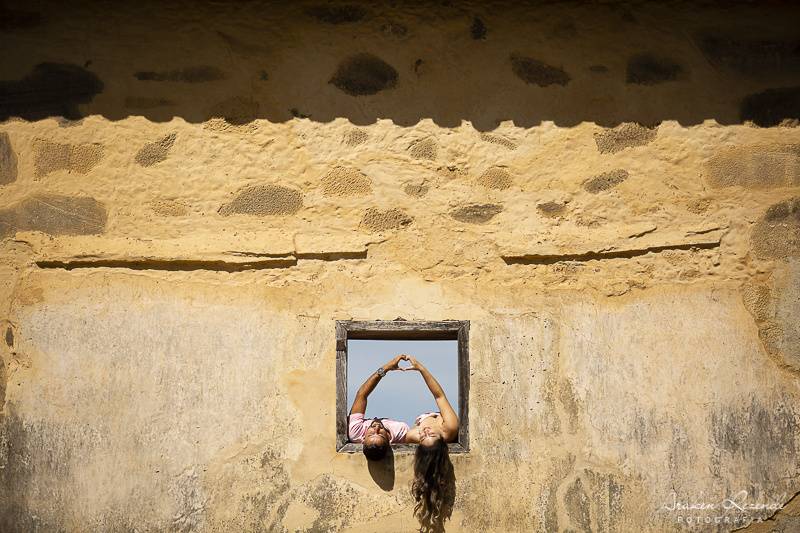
(358,428)
(423,416)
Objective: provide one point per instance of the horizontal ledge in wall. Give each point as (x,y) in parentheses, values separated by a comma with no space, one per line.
(217,253)
(534,259)
(212,265)
(548,255)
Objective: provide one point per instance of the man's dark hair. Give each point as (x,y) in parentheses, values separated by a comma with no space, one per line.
(376,452)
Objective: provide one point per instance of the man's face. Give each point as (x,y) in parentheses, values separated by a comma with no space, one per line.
(376,433)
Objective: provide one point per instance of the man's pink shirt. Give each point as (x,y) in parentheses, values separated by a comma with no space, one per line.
(358,428)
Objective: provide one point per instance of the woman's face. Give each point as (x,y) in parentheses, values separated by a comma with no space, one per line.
(429,436)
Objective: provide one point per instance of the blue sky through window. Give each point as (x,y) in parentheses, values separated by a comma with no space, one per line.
(402,395)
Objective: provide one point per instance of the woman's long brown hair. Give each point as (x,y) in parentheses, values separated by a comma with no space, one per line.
(433,486)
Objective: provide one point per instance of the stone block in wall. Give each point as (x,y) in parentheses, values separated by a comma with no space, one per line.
(755,167)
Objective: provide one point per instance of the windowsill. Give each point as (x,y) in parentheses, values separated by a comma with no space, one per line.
(399,449)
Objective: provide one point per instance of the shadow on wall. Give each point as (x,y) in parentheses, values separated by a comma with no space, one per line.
(483,62)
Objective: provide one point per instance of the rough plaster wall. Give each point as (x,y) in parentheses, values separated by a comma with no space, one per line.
(181,226)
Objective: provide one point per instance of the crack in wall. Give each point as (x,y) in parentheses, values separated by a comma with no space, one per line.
(549,259)
(256,254)
(332,256)
(183,265)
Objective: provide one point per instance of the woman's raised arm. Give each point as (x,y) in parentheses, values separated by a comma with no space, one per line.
(449,416)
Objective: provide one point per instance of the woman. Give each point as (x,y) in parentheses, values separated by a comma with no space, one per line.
(432,487)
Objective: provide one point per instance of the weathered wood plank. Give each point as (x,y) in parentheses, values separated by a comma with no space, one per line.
(341,385)
(400,449)
(396,329)
(463,385)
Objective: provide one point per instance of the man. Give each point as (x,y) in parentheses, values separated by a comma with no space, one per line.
(377,434)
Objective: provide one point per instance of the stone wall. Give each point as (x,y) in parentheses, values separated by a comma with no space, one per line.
(191,193)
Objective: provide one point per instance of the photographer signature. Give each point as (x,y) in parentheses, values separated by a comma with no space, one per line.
(737,502)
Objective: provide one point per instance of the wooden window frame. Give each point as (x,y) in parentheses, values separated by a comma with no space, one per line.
(401,330)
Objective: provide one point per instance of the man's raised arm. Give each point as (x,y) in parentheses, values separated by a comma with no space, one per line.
(360,401)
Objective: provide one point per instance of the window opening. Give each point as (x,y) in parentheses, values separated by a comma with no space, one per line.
(402,395)
(363,346)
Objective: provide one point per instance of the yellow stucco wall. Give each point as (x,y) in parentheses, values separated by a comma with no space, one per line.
(609,193)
